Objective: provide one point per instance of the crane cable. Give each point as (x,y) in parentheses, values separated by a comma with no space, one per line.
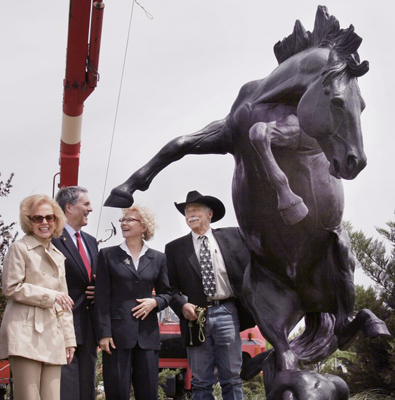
(118,101)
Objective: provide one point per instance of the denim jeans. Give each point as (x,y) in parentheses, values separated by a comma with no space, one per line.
(220,351)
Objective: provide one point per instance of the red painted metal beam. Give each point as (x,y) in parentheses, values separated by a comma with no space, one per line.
(81,77)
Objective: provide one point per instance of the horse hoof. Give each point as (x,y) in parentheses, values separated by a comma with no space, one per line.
(375,328)
(119,199)
(294,212)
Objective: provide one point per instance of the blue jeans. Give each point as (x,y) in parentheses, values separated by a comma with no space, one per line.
(221,349)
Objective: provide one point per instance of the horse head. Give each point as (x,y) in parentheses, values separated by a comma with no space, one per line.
(330,109)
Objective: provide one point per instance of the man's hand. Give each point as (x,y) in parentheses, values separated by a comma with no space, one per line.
(105,344)
(188,311)
(90,291)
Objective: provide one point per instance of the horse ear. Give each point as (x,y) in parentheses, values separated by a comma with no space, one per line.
(335,67)
(333,57)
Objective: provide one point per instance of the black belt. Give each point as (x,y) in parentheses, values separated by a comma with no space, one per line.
(211,303)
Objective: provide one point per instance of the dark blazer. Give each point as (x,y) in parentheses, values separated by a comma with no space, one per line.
(118,285)
(186,279)
(77,280)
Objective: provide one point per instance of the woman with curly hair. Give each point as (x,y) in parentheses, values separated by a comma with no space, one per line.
(37,332)
(125,308)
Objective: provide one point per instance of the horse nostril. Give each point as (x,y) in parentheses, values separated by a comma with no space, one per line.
(352,162)
(355,165)
(336,166)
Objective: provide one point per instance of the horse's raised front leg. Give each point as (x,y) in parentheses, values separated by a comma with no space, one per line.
(209,140)
(291,207)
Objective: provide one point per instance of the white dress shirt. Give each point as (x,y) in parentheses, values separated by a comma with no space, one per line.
(125,247)
(224,290)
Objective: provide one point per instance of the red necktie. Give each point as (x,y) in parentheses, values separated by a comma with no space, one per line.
(83,254)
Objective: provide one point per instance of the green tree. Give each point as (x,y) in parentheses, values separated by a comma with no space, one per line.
(374,365)
(6,237)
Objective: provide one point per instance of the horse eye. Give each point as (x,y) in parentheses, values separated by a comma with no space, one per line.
(337,103)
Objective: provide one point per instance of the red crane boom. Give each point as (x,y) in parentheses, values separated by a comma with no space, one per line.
(81,77)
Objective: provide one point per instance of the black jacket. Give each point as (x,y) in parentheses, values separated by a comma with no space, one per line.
(118,285)
(186,279)
(78,281)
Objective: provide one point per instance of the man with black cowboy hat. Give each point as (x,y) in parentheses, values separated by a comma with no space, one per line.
(206,270)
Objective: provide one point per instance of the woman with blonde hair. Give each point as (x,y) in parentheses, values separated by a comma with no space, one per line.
(126,308)
(37,332)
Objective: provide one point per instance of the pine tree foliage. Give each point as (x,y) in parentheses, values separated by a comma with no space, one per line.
(374,367)
(375,259)
(6,236)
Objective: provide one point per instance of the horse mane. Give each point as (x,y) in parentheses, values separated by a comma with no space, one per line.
(326,34)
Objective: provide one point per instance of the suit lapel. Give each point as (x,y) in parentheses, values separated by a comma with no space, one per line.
(54,258)
(126,261)
(189,251)
(145,260)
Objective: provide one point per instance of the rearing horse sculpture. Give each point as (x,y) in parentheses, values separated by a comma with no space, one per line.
(293,134)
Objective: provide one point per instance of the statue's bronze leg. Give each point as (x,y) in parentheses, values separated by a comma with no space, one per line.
(209,140)
(290,206)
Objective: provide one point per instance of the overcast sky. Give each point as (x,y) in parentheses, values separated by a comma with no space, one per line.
(183,70)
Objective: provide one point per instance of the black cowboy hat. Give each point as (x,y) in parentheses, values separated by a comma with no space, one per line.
(209,201)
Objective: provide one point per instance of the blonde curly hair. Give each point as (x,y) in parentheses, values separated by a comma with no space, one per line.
(30,204)
(146,217)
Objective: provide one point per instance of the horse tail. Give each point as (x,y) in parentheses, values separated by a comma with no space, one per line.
(316,343)
(318,340)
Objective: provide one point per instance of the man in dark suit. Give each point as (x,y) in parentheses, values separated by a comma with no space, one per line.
(206,269)
(80,250)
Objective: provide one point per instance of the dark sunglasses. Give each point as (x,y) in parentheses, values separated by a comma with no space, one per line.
(130,219)
(37,219)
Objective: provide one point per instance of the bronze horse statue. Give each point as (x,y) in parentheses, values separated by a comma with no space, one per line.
(293,135)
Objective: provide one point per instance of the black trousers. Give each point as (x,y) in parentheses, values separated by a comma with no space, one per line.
(78,380)
(125,367)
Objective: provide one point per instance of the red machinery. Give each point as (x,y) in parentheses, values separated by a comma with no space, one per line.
(5,378)
(81,77)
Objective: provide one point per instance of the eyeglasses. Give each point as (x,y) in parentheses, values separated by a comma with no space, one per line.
(129,220)
(37,219)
